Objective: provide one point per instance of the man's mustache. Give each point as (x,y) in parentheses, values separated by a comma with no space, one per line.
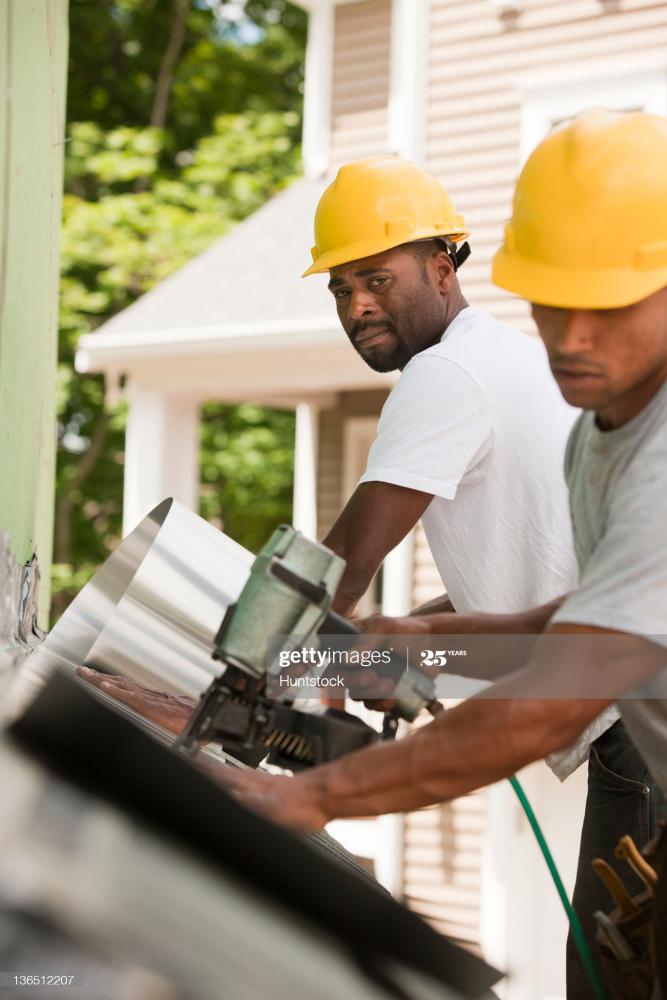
(359,329)
(575,363)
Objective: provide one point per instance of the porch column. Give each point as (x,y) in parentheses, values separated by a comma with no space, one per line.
(161,452)
(397,574)
(304,516)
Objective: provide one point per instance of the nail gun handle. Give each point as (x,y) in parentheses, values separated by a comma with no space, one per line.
(335,624)
(411,695)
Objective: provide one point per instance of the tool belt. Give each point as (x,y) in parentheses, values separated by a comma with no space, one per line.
(632,939)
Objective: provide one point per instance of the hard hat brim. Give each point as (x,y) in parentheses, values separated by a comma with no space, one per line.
(368,248)
(574,288)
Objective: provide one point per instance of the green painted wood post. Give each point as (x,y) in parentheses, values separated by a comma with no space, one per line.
(33,62)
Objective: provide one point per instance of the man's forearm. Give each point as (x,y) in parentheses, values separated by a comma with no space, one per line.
(352,587)
(375,519)
(471,746)
(484,659)
(488,660)
(530,622)
(575,673)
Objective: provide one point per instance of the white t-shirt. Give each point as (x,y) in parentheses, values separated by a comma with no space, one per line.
(478,421)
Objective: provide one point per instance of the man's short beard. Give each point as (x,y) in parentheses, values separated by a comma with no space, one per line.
(395,361)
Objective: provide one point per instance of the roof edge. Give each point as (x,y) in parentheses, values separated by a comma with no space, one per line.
(97,352)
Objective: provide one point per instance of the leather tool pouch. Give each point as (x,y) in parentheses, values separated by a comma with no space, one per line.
(630,951)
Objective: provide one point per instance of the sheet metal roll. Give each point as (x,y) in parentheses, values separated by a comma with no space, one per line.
(153,608)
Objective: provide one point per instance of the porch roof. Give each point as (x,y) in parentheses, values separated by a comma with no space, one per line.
(248,277)
(237,322)
(201,330)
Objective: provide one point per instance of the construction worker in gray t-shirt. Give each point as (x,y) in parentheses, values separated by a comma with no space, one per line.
(588,247)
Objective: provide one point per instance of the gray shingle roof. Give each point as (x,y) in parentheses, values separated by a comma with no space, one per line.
(251,275)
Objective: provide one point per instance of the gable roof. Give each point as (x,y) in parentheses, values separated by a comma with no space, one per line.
(237,322)
(250,277)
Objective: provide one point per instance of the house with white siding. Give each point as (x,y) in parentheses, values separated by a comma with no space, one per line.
(465,88)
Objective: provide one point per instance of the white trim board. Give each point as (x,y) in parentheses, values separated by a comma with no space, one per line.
(408,80)
(550,100)
(316,139)
(96,351)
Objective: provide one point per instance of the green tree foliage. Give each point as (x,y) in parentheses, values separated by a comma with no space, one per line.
(245,449)
(186,125)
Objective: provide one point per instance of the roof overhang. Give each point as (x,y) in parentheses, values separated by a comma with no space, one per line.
(265,362)
(99,352)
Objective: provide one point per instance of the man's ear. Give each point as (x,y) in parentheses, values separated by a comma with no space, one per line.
(444,271)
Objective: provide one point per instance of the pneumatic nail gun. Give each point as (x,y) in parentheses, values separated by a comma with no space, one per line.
(289,592)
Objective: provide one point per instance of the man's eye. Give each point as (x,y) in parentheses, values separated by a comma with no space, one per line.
(341,293)
(377,282)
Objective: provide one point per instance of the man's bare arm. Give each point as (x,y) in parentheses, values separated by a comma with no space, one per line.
(375,519)
(486,660)
(537,710)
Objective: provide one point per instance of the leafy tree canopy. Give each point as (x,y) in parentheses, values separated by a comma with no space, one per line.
(184,116)
(233,57)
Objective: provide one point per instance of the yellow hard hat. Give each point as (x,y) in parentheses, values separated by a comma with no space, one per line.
(376,204)
(589,223)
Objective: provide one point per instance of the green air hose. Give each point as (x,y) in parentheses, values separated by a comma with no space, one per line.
(577,932)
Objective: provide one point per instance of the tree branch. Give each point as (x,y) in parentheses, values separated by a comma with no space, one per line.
(168,64)
(165,77)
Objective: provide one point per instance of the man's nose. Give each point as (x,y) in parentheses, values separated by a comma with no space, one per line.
(362,304)
(576,334)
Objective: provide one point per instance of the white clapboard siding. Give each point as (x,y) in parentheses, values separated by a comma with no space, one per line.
(442,866)
(331,460)
(479,62)
(360,91)
(443,846)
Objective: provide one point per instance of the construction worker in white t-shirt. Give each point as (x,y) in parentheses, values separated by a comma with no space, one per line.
(472,437)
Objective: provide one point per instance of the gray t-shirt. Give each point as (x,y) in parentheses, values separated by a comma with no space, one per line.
(618,500)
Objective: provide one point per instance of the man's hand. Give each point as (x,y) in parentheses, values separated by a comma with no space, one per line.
(380,625)
(384,625)
(171,711)
(291,802)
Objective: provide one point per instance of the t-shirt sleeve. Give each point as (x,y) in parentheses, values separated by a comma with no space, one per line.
(623,585)
(434,428)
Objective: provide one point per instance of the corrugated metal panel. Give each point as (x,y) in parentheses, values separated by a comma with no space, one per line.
(476,61)
(360,92)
